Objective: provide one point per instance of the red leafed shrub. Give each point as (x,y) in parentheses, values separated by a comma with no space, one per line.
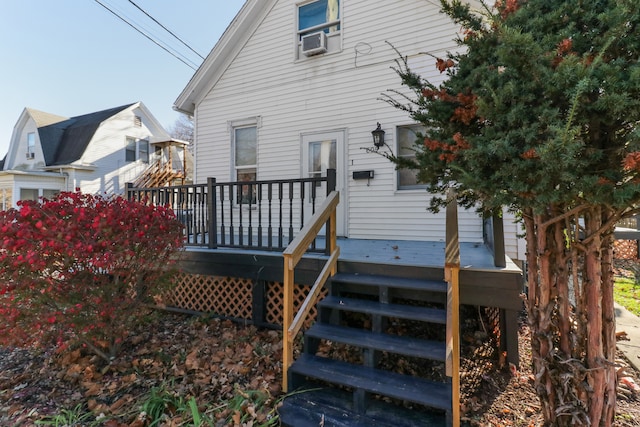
(79,268)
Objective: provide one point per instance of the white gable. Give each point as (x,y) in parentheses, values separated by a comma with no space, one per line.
(291,97)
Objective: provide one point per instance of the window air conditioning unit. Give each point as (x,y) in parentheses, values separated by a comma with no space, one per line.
(31,155)
(314,43)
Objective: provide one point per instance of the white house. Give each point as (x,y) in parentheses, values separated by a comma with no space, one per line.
(97,152)
(293,87)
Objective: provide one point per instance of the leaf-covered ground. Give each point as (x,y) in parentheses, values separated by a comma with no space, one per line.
(229,374)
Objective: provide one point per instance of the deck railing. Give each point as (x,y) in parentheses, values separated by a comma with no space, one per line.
(325,217)
(262,215)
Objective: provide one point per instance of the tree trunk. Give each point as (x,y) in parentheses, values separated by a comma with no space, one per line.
(572,330)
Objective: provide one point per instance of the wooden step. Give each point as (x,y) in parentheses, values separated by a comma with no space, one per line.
(408,346)
(390,281)
(376,381)
(423,314)
(333,408)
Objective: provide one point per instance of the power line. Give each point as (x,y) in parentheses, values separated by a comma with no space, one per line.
(165,28)
(192,66)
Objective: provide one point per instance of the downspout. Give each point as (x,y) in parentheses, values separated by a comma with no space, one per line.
(66,179)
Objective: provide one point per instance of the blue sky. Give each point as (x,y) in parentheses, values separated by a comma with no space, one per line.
(72,57)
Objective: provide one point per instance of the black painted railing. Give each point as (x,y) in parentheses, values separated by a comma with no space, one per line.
(262,215)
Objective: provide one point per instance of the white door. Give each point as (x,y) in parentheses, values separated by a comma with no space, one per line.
(322,151)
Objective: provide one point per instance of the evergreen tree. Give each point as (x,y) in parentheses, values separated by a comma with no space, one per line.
(540,114)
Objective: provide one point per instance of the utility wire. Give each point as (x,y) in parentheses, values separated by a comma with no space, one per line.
(192,66)
(165,28)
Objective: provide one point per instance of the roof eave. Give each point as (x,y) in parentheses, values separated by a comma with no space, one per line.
(230,44)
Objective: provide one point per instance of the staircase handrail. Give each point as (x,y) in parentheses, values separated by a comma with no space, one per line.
(326,214)
(452,271)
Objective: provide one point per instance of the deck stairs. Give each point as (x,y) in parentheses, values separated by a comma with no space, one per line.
(361,313)
(159,174)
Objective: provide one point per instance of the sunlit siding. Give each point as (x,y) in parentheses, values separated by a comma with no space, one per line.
(334,91)
(106,154)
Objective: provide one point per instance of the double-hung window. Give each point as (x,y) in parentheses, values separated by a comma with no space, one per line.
(143,150)
(406,137)
(319,15)
(136,149)
(320,20)
(31,145)
(245,144)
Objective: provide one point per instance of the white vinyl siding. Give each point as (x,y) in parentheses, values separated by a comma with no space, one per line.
(107,153)
(338,91)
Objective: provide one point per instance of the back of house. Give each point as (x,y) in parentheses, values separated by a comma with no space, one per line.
(293,88)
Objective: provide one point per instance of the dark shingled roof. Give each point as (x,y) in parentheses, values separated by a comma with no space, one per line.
(64,142)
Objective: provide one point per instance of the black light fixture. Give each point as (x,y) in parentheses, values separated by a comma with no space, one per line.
(378,136)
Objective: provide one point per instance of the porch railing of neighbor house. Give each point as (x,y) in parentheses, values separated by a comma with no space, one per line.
(261,215)
(325,217)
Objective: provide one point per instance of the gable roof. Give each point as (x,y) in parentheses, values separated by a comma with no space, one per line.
(64,141)
(44,119)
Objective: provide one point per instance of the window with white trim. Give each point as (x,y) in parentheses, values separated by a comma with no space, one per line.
(29,194)
(136,149)
(318,21)
(245,149)
(31,145)
(406,137)
(318,15)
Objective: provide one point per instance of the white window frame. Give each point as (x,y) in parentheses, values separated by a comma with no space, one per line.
(332,28)
(134,145)
(31,145)
(235,170)
(415,128)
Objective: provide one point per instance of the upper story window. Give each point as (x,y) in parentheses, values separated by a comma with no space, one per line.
(143,150)
(136,149)
(319,25)
(406,137)
(31,145)
(319,15)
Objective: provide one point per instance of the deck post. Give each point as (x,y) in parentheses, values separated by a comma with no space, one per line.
(331,180)
(452,270)
(499,259)
(211,213)
(287,319)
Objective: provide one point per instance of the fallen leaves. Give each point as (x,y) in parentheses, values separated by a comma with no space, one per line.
(210,360)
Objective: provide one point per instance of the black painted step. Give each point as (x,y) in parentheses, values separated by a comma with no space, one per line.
(404,387)
(333,408)
(408,346)
(423,314)
(390,281)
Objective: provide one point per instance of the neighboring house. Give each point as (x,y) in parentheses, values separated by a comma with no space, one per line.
(97,153)
(294,87)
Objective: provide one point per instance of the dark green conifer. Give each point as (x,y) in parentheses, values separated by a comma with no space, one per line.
(540,114)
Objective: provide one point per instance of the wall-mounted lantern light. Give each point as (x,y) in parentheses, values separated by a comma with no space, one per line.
(378,136)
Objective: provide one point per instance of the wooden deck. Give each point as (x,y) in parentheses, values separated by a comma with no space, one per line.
(481,283)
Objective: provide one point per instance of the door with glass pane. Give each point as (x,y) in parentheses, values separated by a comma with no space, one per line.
(322,151)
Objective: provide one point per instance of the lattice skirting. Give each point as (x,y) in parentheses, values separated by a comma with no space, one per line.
(235,297)
(625,249)
(224,296)
(274,301)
